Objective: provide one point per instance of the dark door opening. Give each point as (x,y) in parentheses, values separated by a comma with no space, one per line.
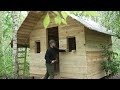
(52,33)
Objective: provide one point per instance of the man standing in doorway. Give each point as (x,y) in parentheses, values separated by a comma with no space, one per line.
(50,57)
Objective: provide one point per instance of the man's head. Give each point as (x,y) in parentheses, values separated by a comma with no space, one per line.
(52,43)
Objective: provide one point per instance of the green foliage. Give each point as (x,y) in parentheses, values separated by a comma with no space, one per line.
(110,19)
(57,20)
(90,13)
(64,14)
(61,16)
(76,12)
(46,20)
(111,64)
(57,13)
(107,52)
(7,30)
(111,67)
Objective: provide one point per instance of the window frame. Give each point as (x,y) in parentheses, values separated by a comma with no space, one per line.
(68,43)
(36,48)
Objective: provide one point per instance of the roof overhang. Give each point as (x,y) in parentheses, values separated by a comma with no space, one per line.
(92,25)
(27,27)
(34,16)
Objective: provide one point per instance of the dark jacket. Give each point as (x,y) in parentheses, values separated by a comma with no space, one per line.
(51,54)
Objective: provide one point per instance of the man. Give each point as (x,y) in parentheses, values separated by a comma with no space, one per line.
(50,58)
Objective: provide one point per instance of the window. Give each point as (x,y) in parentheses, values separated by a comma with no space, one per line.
(71,43)
(37,46)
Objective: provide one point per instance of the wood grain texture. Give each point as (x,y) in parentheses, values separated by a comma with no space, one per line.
(73,63)
(94,52)
(83,63)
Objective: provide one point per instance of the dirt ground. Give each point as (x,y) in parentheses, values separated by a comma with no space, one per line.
(58,77)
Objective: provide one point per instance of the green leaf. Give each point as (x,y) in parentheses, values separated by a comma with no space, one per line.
(71,12)
(57,20)
(90,13)
(75,12)
(46,21)
(64,14)
(56,12)
(64,21)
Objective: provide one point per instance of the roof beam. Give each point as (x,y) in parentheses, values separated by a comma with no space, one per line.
(21,35)
(24,33)
(31,21)
(28,24)
(25,30)
(35,15)
(26,27)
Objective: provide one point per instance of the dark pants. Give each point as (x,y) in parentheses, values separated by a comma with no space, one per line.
(50,71)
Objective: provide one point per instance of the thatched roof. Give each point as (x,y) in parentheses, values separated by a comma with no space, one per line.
(34,16)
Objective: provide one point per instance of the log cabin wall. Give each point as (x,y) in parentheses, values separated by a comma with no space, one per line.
(94,52)
(72,64)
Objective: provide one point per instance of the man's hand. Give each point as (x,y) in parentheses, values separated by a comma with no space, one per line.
(53,61)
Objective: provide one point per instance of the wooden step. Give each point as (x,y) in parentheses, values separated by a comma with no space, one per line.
(21,57)
(21,51)
(21,75)
(21,69)
(21,63)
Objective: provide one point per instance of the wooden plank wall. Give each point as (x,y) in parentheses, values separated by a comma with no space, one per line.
(37,63)
(72,65)
(93,52)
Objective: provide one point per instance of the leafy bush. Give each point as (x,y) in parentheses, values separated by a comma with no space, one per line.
(111,64)
(111,67)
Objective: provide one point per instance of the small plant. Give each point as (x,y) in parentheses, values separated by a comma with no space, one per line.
(111,65)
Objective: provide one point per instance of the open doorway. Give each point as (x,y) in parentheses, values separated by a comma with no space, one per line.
(52,33)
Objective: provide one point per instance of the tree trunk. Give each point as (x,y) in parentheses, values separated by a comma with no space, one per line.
(15,28)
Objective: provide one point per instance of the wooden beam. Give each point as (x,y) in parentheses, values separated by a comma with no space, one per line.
(28,24)
(32,19)
(21,35)
(22,38)
(23,32)
(26,27)
(29,20)
(22,42)
(35,15)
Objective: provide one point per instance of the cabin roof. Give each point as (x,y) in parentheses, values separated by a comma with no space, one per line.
(92,25)
(34,16)
(27,26)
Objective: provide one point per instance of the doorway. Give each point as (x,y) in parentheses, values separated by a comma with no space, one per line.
(52,33)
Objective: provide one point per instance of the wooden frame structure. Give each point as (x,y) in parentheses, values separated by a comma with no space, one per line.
(82,63)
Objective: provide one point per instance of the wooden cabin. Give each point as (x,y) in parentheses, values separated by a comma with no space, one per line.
(80,36)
